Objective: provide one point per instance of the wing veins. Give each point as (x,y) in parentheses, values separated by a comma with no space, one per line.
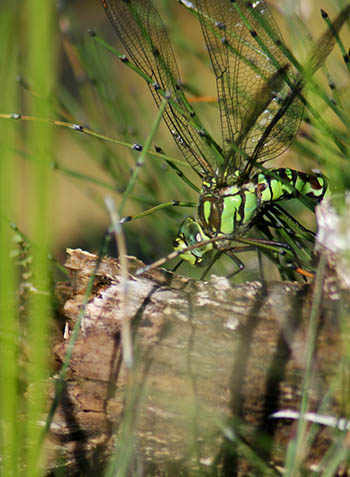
(143,35)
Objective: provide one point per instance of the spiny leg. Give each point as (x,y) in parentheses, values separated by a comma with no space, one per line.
(273,256)
(251,244)
(257,245)
(263,226)
(180,262)
(214,259)
(286,220)
(261,266)
(294,263)
(272,248)
(263,244)
(247,248)
(177,253)
(237,261)
(292,232)
(232,256)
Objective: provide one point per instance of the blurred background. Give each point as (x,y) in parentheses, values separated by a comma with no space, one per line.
(94,89)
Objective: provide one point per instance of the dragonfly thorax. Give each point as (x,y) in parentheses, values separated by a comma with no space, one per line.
(222,213)
(227,212)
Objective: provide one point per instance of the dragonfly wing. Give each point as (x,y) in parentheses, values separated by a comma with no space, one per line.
(289,103)
(142,33)
(253,80)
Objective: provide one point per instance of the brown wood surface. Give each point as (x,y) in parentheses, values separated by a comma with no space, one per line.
(213,361)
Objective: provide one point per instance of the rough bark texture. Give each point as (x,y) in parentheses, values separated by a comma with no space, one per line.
(213,362)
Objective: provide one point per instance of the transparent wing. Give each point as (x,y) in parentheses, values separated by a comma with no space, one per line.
(254,79)
(142,33)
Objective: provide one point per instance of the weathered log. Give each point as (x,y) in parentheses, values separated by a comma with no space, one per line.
(213,362)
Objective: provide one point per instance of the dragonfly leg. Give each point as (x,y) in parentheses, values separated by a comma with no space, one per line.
(246,248)
(261,267)
(177,265)
(281,248)
(237,261)
(259,246)
(215,258)
(290,231)
(280,218)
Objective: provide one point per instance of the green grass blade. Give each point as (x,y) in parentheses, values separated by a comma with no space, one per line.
(142,157)
(10,436)
(41,72)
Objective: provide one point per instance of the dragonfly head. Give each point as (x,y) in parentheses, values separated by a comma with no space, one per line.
(191,234)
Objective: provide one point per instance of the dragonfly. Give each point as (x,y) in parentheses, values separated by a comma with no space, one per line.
(261,104)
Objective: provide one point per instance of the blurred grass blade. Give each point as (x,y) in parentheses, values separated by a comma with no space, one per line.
(10,437)
(336,35)
(142,157)
(40,72)
(90,132)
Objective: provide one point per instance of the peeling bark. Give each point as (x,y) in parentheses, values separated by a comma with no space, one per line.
(213,362)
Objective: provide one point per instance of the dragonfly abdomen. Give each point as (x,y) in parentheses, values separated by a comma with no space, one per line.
(231,210)
(281,184)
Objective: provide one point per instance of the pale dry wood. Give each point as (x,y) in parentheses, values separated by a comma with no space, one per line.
(212,359)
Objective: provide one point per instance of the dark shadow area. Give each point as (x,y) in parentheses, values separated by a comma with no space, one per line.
(260,438)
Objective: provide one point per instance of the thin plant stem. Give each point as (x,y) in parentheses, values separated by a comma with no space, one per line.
(117,230)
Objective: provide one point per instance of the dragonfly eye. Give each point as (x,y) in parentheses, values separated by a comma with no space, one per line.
(191,234)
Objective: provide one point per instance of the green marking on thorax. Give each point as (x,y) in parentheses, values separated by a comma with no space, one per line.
(250,206)
(230,213)
(266,193)
(207,210)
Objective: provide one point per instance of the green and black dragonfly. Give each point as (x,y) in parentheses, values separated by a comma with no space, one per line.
(261,106)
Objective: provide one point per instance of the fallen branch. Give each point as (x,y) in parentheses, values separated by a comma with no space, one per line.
(214,361)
